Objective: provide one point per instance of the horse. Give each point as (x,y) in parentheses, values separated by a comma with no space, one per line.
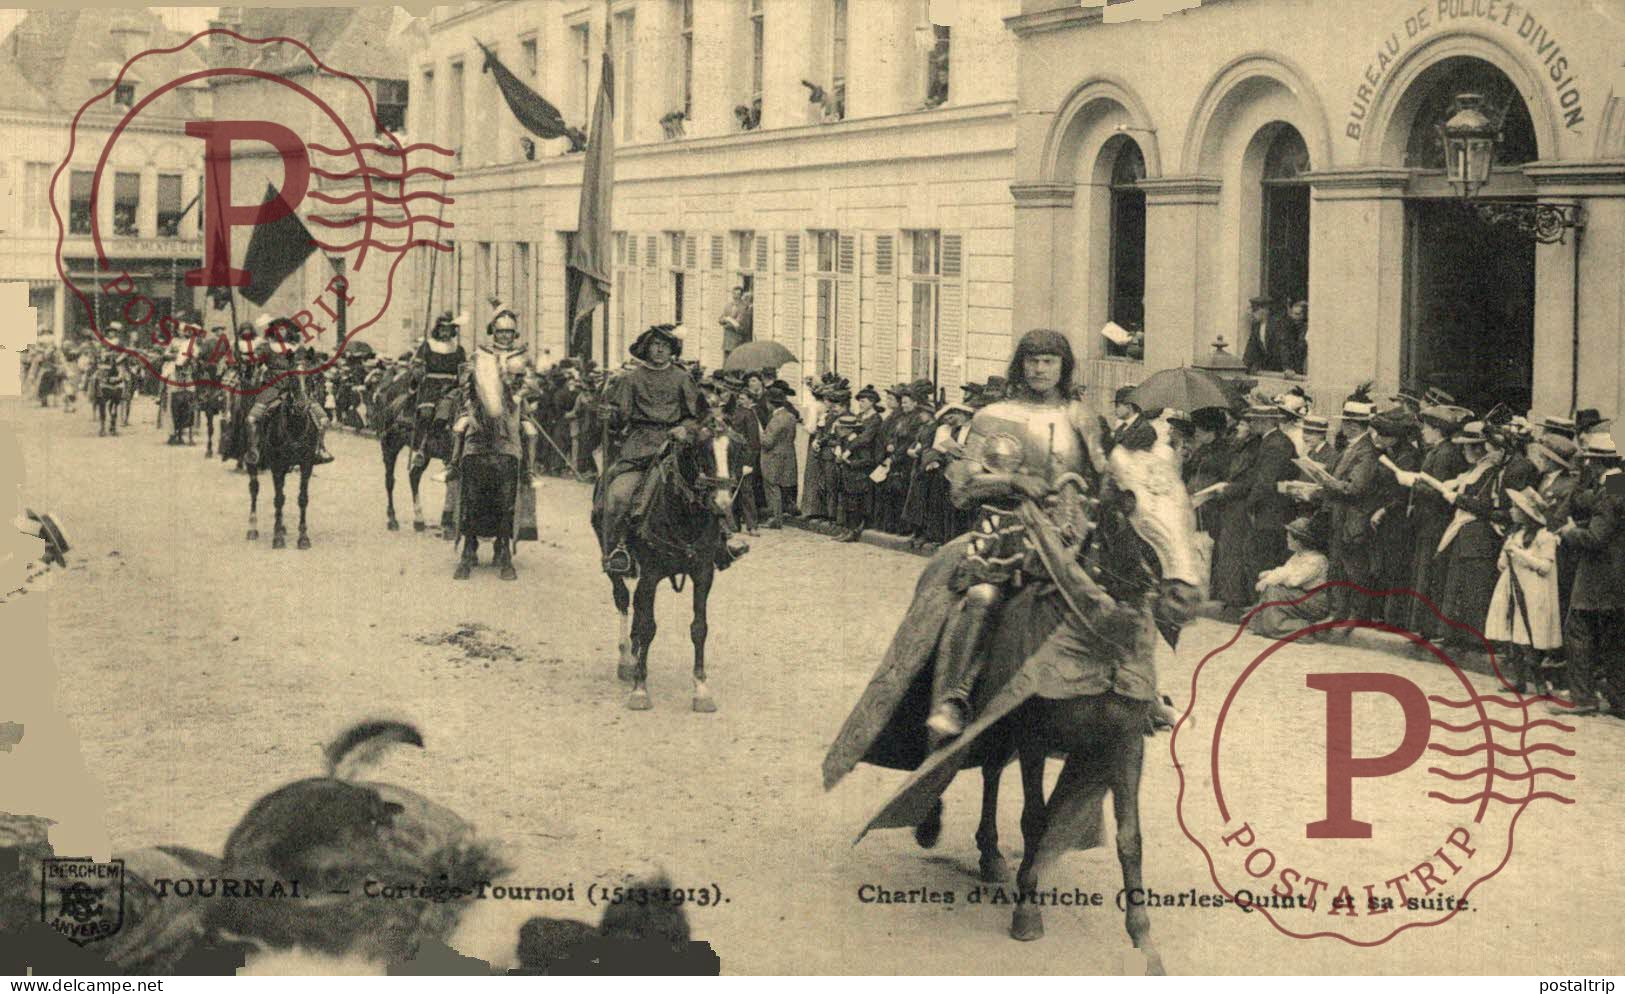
(287,442)
(678,536)
(210,403)
(397,402)
(1142,547)
(107,394)
(182,412)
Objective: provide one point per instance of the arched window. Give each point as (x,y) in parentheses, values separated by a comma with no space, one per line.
(1440,84)
(1126,289)
(1284,239)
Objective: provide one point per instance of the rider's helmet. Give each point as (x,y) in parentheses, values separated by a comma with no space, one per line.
(504,328)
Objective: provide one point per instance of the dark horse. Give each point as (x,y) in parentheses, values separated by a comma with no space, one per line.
(183,415)
(287,443)
(107,393)
(678,536)
(1142,550)
(211,403)
(397,425)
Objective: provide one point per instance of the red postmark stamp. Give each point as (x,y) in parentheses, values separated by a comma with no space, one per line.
(333,153)
(1365,794)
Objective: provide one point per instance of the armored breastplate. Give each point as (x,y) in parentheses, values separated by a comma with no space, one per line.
(1017,436)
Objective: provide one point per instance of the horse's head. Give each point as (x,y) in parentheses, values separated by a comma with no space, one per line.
(705,463)
(1145,503)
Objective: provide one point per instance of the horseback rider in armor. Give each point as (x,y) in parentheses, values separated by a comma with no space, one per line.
(277,363)
(653,401)
(441,357)
(1021,447)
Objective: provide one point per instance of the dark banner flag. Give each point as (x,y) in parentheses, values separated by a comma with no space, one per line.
(590,252)
(539,117)
(275,251)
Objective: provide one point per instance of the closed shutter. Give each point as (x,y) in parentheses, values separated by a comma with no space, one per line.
(764,323)
(716,253)
(651,282)
(848,359)
(951,315)
(881,350)
(631,301)
(466,286)
(789,328)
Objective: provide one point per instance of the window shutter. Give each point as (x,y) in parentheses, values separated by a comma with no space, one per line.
(651,282)
(632,250)
(882,351)
(951,315)
(690,263)
(848,358)
(716,252)
(764,324)
(698,326)
(788,329)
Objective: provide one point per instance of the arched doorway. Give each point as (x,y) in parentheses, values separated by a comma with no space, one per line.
(1469,285)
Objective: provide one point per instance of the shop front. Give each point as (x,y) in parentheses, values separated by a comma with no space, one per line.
(137,292)
(1286,162)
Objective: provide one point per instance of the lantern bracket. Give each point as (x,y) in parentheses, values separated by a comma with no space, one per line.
(1546,223)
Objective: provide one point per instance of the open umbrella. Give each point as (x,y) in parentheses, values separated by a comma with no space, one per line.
(1184,388)
(758,355)
(361,350)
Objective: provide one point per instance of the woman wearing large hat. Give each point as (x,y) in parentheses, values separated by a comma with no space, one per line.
(1305,569)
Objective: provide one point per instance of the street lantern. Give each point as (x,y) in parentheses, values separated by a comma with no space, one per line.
(1470,138)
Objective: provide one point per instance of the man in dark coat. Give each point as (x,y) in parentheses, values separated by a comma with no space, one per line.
(1393,555)
(1430,513)
(1232,583)
(1207,460)
(857,457)
(1271,341)
(1354,496)
(1268,509)
(1594,630)
(779,452)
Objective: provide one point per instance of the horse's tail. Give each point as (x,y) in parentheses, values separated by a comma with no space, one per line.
(364,742)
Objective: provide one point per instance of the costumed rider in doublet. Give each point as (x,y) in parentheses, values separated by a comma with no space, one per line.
(651,402)
(1033,444)
(441,357)
(493,435)
(281,389)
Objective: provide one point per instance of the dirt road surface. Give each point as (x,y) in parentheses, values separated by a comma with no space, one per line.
(200,670)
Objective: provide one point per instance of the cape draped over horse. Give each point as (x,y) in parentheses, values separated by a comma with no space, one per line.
(1067,670)
(685,488)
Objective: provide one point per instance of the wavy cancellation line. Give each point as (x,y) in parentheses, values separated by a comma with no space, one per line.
(381,246)
(376,173)
(379,198)
(381,149)
(1493,796)
(1501,750)
(1503,774)
(411,219)
(1507,702)
(1503,726)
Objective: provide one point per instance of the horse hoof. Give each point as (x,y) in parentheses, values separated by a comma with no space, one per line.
(927,832)
(279,542)
(994,870)
(508,572)
(1153,964)
(1026,925)
(639,701)
(626,672)
(419,526)
(393,525)
(705,705)
(253,534)
(304,542)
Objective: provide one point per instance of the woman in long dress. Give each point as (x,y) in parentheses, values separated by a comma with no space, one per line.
(1232,584)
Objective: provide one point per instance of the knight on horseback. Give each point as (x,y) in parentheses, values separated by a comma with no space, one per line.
(441,357)
(654,401)
(1022,446)
(278,386)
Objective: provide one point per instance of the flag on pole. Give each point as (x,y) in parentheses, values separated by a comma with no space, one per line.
(590,252)
(275,251)
(539,117)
